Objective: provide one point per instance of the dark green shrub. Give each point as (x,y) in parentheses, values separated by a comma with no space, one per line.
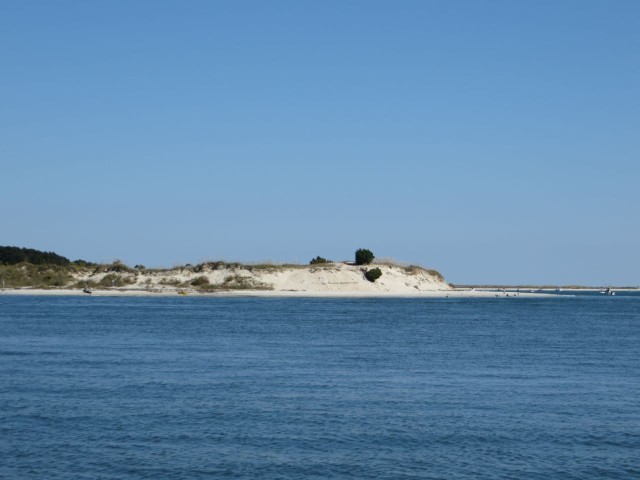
(364,256)
(114,280)
(319,259)
(200,281)
(83,263)
(373,274)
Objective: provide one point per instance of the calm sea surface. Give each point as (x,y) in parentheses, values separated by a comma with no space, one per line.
(158,388)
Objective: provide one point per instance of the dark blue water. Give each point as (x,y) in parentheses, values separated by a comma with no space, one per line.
(319,388)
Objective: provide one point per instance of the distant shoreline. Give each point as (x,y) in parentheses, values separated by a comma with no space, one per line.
(274,293)
(569,288)
(25,271)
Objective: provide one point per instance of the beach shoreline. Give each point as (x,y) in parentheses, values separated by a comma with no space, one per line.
(272,293)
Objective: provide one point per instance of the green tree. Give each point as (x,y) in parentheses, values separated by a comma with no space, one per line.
(14,255)
(319,259)
(364,256)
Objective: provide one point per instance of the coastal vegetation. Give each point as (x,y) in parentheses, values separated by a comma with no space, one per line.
(200,281)
(38,275)
(240,282)
(53,271)
(84,263)
(433,273)
(319,259)
(15,255)
(364,256)
(373,274)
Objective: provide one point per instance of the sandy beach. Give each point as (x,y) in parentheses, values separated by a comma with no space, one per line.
(123,292)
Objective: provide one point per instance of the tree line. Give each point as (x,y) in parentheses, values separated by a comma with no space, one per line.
(14,255)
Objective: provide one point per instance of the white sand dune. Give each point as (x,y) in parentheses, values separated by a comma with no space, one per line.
(326,280)
(329,278)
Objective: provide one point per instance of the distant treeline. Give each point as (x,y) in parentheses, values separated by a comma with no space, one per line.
(14,255)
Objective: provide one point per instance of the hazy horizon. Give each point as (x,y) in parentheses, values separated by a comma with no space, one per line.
(495,142)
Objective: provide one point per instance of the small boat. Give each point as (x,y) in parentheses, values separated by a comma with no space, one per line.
(182,292)
(86,289)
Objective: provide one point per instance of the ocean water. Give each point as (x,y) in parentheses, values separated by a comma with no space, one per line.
(120,388)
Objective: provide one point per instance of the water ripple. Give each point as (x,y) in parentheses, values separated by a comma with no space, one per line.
(319,388)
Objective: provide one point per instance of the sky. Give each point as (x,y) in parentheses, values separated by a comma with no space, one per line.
(496,141)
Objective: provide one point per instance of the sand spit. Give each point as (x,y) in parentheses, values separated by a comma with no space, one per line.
(218,279)
(121,292)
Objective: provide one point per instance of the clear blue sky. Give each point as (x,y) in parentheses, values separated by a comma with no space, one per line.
(497,141)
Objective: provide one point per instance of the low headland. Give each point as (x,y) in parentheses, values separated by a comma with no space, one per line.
(32,272)
(27,271)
